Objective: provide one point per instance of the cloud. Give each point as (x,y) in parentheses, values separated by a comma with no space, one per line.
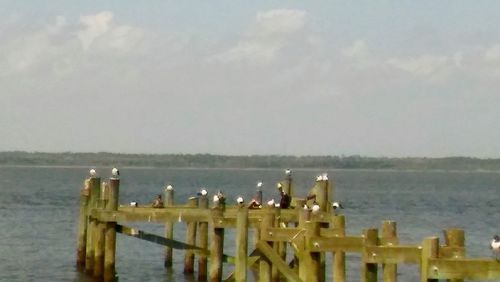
(423,65)
(357,49)
(269,34)
(101,33)
(492,54)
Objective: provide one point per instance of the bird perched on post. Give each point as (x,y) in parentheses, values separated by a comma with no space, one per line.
(203,192)
(288,171)
(337,205)
(92,172)
(495,246)
(315,208)
(239,200)
(115,172)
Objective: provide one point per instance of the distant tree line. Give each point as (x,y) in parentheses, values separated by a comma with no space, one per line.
(252,161)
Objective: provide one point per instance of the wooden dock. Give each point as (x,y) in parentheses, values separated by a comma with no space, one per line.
(308,235)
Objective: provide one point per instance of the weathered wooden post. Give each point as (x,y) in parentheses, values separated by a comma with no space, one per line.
(265,267)
(389,238)
(430,249)
(110,231)
(369,270)
(278,247)
(455,238)
(301,257)
(339,256)
(100,233)
(94,183)
(169,226)
(190,239)
(82,225)
(240,270)
(217,245)
(312,256)
(202,241)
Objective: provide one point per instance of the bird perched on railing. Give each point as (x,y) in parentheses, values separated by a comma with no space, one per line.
(270,203)
(495,246)
(115,172)
(337,205)
(315,208)
(92,172)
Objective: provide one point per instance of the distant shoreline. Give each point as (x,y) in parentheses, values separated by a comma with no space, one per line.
(254,162)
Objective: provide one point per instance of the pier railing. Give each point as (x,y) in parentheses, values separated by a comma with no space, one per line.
(288,244)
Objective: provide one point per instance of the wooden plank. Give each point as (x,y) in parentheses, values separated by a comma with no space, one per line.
(347,244)
(451,252)
(473,269)
(392,254)
(276,260)
(157,215)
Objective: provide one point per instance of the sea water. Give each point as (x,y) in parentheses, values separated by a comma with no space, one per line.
(39,211)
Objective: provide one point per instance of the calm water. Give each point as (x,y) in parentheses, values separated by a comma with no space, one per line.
(38,211)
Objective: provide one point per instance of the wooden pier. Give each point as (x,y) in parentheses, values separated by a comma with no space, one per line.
(287,244)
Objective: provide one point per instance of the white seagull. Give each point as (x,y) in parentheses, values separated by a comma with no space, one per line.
(270,202)
(215,199)
(315,208)
(239,200)
(259,184)
(288,171)
(203,192)
(115,172)
(324,177)
(92,172)
(337,205)
(133,204)
(279,185)
(169,187)
(495,246)
(319,178)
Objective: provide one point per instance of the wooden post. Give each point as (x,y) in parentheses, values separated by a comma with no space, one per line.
(369,270)
(82,226)
(100,233)
(169,226)
(312,258)
(278,247)
(216,246)
(301,255)
(455,237)
(430,249)
(339,256)
(265,268)
(94,184)
(202,241)
(240,269)
(110,231)
(389,238)
(190,239)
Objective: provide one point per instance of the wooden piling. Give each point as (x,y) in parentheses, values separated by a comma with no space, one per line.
(216,246)
(389,238)
(265,267)
(94,184)
(190,239)
(82,225)
(300,256)
(312,257)
(339,256)
(430,249)
(202,241)
(455,238)
(369,270)
(110,232)
(169,227)
(240,269)
(99,249)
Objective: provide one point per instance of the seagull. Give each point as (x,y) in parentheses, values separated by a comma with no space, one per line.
(239,200)
(115,172)
(324,177)
(495,246)
(270,202)
(259,184)
(319,178)
(92,172)
(169,187)
(203,192)
(216,199)
(277,205)
(133,204)
(288,171)
(315,208)
(337,205)
(305,207)
(279,185)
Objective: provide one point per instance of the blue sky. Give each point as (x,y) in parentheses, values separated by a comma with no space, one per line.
(374,78)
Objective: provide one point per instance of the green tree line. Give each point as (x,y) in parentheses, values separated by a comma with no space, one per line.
(251,161)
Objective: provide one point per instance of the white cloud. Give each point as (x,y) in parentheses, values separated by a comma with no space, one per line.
(492,54)
(101,33)
(270,33)
(357,49)
(423,65)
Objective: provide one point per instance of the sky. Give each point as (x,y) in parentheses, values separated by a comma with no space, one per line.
(369,78)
